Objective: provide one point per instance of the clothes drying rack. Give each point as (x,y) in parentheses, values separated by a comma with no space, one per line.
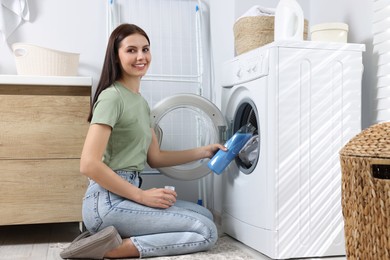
(114,19)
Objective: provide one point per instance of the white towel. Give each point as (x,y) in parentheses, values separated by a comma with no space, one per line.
(12,14)
(258,10)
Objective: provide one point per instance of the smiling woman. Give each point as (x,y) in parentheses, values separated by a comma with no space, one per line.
(152,222)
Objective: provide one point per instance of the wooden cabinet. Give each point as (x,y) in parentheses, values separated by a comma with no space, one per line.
(43,124)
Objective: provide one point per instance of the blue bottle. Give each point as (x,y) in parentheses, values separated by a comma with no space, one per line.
(222,158)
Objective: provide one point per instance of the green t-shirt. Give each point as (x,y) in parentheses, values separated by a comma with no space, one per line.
(128,114)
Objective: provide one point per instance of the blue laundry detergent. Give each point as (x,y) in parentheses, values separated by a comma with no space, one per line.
(222,158)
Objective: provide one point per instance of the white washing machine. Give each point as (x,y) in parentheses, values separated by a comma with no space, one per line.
(305,100)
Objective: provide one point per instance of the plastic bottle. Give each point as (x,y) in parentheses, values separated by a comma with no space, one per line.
(222,158)
(289,21)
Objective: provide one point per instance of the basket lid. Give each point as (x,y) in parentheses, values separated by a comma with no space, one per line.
(371,142)
(329,26)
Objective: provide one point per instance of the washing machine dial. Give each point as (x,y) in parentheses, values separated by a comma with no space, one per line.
(239,73)
(254,68)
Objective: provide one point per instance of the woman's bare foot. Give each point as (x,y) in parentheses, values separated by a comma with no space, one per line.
(126,249)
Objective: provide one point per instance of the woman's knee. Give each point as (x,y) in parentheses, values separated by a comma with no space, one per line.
(212,236)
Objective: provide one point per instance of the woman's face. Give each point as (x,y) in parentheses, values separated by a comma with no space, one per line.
(134,55)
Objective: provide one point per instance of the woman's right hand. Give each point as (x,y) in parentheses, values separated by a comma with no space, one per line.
(158,198)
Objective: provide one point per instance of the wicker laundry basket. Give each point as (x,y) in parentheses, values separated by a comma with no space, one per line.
(255,31)
(365,164)
(36,60)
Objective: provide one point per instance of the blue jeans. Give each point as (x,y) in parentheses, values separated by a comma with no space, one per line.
(181,229)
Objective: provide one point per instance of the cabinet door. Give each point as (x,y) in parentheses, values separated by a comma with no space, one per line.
(42,126)
(41,191)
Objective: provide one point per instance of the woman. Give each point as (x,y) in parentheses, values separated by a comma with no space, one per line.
(151,222)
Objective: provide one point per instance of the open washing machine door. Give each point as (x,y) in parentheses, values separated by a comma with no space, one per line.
(186,121)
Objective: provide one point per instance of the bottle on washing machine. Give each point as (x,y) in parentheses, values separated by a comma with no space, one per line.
(289,21)
(222,158)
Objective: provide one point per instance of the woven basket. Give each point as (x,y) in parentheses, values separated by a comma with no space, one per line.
(255,31)
(35,60)
(365,165)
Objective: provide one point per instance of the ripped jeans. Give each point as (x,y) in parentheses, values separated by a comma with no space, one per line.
(181,229)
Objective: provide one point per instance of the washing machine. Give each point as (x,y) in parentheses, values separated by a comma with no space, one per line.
(305,100)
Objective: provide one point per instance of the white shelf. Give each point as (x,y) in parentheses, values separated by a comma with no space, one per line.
(45,80)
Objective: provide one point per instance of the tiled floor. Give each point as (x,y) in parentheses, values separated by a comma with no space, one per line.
(35,242)
(45,242)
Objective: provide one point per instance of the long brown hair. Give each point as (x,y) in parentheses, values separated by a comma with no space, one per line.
(111,70)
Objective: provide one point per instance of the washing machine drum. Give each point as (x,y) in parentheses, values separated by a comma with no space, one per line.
(186,121)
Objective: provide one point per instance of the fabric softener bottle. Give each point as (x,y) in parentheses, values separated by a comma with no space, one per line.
(289,21)
(222,158)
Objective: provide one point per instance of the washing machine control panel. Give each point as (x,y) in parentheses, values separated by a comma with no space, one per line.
(246,67)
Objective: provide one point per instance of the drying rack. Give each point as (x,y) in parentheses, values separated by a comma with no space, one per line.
(116,15)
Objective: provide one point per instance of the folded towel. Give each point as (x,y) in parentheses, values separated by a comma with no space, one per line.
(13,14)
(258,10)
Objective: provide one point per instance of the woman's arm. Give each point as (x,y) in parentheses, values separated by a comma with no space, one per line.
(160,158)
(92,166)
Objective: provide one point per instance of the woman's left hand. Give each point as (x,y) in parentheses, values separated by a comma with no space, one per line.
(158,198)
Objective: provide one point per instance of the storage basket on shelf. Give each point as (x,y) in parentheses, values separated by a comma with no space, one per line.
(255,31)
(365,165)
(40,61)
(329,32)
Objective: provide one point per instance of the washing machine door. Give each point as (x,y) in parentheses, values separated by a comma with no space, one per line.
(186,121)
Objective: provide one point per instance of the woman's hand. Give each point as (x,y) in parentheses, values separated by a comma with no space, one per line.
(210,150)
(158,198)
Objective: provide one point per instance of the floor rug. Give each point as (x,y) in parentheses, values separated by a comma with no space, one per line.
(225,248)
